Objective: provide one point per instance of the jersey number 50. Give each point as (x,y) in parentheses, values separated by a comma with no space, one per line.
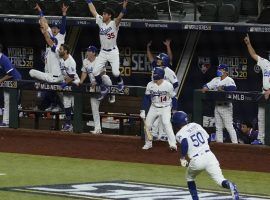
(197,139)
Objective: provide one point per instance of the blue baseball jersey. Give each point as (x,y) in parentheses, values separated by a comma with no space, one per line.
(8,68)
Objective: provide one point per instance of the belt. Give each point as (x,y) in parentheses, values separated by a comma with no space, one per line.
(223,104)
(108,50)
(160,106)
(55,76)
(198,154)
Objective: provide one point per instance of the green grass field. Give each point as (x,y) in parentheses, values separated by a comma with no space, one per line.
(28,170)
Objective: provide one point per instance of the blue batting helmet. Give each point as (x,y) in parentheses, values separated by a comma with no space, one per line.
(165,59)
(158,73)
(223,66)
(180,118)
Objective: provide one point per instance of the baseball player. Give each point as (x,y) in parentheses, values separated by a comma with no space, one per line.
(193,140)
(223,109)
(163,60)
(11,73)
(160,94)
(108,31)
(87,69)
(52,72)
(68,70)
(264,64)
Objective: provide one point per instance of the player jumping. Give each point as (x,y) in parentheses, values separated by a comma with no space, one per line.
(194,145)
(108,30)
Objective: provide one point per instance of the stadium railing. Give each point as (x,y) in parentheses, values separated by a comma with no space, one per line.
(13,87)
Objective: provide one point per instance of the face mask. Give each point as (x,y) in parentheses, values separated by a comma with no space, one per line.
(219,73)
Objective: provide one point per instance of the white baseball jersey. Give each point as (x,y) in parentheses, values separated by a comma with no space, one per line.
(52,64)
(88,67)
(161,95)
(197,138)
(264,64)
(68,67)
(107,33)
(217,82)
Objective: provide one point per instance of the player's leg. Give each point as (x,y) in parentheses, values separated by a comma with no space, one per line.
(100,63)
(113,58)
(190,178)
(150,118)
(228,122)
(219,125)
(165,114)
(261,124)
(214,170)
(68,102)
(108,82)
(96,116)
(5,122)
(41,76)
(155,127)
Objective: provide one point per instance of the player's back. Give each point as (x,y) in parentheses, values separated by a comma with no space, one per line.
(196,136)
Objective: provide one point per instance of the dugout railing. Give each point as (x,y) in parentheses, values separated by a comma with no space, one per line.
(14,87)
(200,99)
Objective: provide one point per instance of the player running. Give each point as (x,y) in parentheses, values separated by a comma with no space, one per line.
(194,145)
(87,69)
(160,94)
(108,31)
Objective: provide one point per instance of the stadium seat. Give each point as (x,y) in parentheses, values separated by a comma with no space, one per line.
(148,10)
(209,10)
(229,11)
(5,7)
(249,7)
(264,17)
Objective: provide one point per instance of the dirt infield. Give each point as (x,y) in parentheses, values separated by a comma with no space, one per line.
(124,148)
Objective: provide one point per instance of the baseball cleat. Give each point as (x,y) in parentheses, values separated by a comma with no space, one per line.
(98,131)
(103,93)
(257,142)
(67,128)
(112,99)
(3,125)
(121,86)
(235,194)
(148,145)
(173,148)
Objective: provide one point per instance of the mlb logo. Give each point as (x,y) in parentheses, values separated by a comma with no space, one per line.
(204,64)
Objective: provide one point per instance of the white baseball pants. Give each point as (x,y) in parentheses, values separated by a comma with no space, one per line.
(205,161)
(165,115)
(45,76)
(224,118)
(112,57)
(261,123)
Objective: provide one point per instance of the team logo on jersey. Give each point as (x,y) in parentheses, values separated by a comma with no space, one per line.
(204,64)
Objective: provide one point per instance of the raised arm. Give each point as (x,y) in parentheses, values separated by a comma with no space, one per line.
(251,50)
(92,8)
(149,54)
(64,20)
(122,13)
(167,43)
(42,20)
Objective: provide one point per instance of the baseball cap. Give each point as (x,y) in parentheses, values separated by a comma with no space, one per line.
(93,49)
(223,66)
(55,24)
